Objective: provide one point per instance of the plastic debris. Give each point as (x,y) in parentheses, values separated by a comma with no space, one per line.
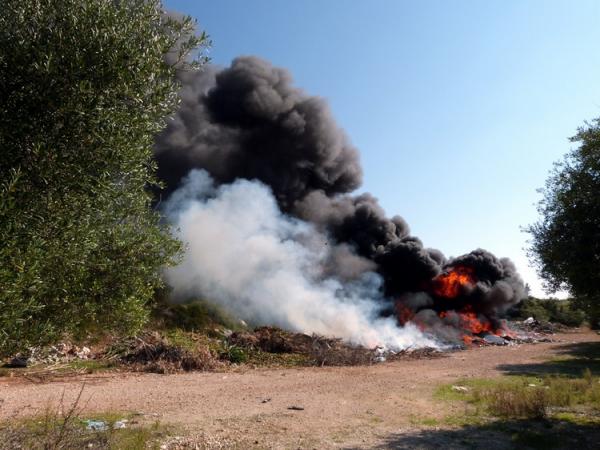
(493,339)
(96,425)
(120,424)
(460,388)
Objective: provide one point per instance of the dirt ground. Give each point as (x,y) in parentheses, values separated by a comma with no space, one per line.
(347,407)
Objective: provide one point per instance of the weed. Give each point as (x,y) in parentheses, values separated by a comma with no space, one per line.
(526,397)
(65,428)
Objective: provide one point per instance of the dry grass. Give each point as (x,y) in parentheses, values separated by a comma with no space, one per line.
(317,350)
(64,428)
(513,402)
(520,397)
(155,353)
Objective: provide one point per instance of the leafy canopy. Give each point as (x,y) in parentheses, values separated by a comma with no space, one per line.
(85,85)
(565,243)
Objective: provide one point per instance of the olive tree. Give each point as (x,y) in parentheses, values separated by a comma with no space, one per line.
(85,85)
(565,244)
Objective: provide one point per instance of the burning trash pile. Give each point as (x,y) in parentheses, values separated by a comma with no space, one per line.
(258,182)
(318,350)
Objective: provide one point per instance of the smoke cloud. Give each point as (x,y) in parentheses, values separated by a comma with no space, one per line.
(257,135)
(263,266)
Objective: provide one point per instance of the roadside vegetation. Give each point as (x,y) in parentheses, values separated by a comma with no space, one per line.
(69,427)
(195,336)
(554,404)
(564,242)
(87,84)
(562,312)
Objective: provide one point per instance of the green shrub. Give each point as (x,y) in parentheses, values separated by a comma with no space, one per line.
(559,311)
(194,315)
(527,397)
(510,402)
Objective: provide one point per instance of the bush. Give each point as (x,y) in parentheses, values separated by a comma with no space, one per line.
(549,310)
(195,315)
(508,402)
(527,397)
(85,88)
(564,242)
(155,353)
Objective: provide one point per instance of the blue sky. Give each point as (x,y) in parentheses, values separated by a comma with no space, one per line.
(458,108)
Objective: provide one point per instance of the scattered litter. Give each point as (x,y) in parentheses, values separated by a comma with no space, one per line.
(120,424)
(495,340)
(529,321)
(460,388)
(18,362)
(296,408)
(84,353)
(532,385)
(96,425)
(266,400)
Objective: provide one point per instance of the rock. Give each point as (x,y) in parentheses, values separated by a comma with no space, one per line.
(296,408)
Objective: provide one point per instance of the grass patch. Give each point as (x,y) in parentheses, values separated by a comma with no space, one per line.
(195,315)
(52,432)
(259,358)
(67,428)
(91,365)
(424,421)
(523,397)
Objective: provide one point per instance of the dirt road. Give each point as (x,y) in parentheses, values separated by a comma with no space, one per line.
(334,407)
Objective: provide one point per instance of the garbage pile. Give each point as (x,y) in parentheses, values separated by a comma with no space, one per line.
(63,352)
(322,351)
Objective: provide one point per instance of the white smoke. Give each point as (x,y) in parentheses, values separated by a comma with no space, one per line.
(267,268)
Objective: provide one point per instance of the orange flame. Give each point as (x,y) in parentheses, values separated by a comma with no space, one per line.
(404,313)
(449,284)
(470,323)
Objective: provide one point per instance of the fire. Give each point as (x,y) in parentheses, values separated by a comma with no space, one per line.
(450,283)
(471,323)
(404,313)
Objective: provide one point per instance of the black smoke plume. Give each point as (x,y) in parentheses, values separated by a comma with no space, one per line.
(248,121)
